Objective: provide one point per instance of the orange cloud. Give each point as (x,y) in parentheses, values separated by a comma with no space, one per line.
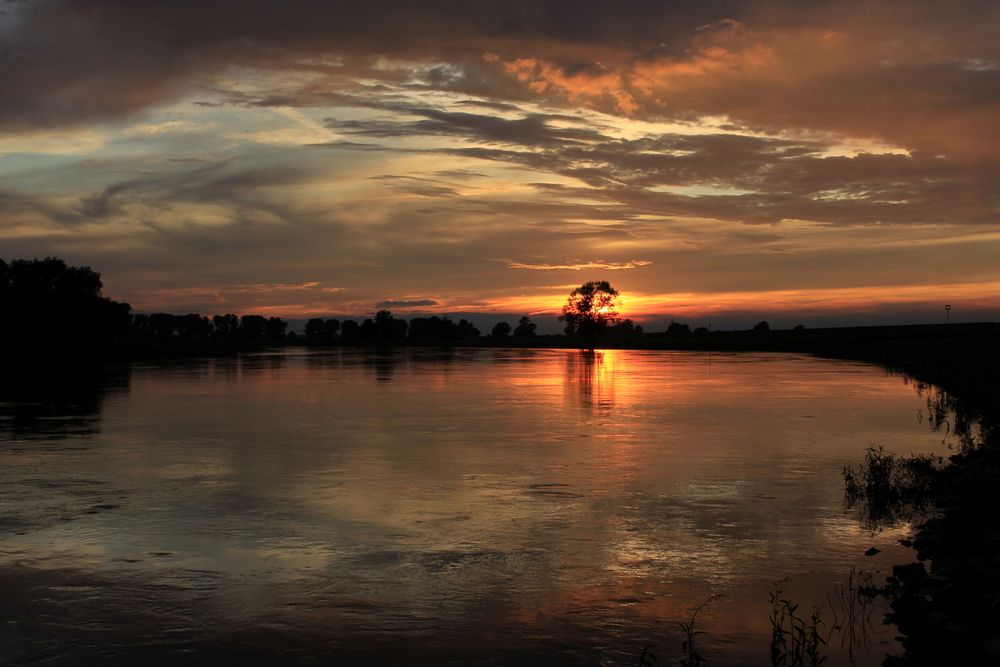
(595,82)
(971,295)
(873,74)
(609,266)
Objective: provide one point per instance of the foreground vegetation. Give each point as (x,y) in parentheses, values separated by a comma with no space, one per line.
(946,604)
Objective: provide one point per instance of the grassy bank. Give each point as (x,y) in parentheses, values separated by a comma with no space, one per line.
(946,604)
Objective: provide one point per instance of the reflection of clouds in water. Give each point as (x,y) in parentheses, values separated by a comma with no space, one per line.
(500,488)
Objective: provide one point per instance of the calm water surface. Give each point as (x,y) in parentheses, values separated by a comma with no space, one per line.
(468,506)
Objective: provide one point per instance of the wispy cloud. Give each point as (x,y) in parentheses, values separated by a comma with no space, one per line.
(607,266)
(406,303)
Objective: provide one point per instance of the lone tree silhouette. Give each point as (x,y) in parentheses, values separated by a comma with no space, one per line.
(500,330)
(525,327)
(590,308)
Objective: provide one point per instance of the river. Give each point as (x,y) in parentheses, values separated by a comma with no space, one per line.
(426,506)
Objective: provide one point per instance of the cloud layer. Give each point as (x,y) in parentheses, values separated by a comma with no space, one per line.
(332,155)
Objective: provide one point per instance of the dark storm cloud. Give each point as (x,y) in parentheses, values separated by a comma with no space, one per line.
(842,65)
(533,129)
(67,62)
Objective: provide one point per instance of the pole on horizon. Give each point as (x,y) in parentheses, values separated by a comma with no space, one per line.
(947,314)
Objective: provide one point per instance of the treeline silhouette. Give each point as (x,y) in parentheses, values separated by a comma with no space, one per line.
(385,328)
(46,300)
(46,303)
(165,327)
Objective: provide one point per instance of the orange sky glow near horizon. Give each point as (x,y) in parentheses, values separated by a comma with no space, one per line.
(716,162)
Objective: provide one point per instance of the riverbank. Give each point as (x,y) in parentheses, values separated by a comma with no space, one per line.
(946,604)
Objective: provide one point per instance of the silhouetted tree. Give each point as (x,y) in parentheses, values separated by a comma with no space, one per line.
(46,300)
(433,328)
(316,329)
(678,329)
(193,327)
(350,331)
(590,308)
(762,327)
(226,326)
(50,278)
(701,331)
(275,327)
(624,329)
(104,318)
(384,328)
(161,326)
(500,330)
(466,329)
(252,327)
(322,331)
(332,328)
(140,326)
(525,327)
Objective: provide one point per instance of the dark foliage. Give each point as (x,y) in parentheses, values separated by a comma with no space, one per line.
(891,488)
(383,329)
(624,329)
(678,329)
(590,309)
(322,331)
(350,331)
(441,330)
(500,330)
(226,326)
(525,327)
(47,302)
(274,328)
(49,306)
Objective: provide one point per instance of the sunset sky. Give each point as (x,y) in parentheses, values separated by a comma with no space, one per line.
(718,162)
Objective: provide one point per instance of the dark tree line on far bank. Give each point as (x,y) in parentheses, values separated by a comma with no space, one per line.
(45,302)
(385,328)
